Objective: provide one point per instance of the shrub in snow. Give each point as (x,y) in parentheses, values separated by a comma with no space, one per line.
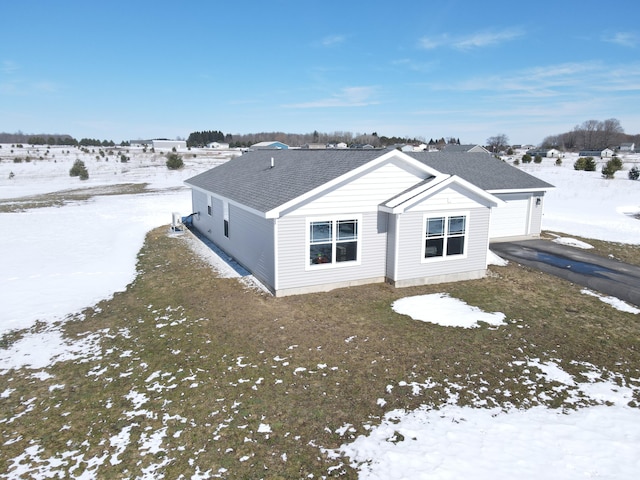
(634,173)
(537,159)
(612,166)
(587,164)
(558,161)
(79,170)
(174,161)
(526,158)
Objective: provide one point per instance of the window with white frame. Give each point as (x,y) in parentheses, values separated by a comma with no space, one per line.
(445,236)
(333,241)
(225,218)
(209,205)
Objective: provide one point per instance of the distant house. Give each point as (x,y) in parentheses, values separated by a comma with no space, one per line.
(140,143)
(218,145)
(455,148)
(168,144)
(315,146)
(590,153)
(606,153)
(541,153)
(553,153)
(305,221)
(362,146)
(627,147)
(269,146)
(414,148)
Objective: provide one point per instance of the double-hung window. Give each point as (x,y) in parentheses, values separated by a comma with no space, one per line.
(333,241)
(445,236)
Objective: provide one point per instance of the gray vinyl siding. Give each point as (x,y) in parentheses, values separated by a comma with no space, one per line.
(250,240)
(293,256)
(199,206)
(412,235)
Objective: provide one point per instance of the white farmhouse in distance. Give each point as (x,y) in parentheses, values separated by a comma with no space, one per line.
(169,144)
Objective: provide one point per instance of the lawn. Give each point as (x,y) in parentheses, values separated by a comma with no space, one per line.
(195,376)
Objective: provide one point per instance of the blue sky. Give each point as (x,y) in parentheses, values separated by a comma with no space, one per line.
(466,69)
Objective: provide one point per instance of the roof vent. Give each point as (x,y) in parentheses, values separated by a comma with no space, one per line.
(273,162)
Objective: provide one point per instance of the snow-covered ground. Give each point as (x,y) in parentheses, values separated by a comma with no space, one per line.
(58,260)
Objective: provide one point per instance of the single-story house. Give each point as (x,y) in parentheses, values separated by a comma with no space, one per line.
(315,146)
(169,144)
(269,146)
(218,145)
(543,153)
(553,153)
(589,153)
(454,147)
(304,221)
(606,153)
(627,147)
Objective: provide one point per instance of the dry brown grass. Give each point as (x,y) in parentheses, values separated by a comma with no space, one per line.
(58,199)
(231,358)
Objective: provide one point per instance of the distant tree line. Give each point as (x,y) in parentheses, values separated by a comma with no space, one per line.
(591,135)
(40,139)
(56,139)
(200,139)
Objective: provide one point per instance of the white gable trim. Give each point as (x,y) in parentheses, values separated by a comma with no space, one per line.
(401,203)
(413,163)
(520,190)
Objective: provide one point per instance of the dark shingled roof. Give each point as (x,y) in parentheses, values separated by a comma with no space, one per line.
(481,169)
(250,180)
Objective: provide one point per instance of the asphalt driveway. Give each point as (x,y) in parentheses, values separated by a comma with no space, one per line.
(597,273)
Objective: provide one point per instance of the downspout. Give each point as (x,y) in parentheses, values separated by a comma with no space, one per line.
(276,250)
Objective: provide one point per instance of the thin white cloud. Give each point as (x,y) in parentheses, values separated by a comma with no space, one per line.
(45,86)
(332,40)
(537,81)
(486,39)
(347,97)
(9,66)
(430,43)
(414,66)
(624,39)
(467,42)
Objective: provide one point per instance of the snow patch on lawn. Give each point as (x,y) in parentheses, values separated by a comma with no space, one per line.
(613,301)
(441,309)
(572,242)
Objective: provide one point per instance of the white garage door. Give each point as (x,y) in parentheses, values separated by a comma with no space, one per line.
(511,219)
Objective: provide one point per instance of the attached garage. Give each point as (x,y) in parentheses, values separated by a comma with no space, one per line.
(522,194)
(519,216)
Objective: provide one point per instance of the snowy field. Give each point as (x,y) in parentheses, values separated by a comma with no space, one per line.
(61,259)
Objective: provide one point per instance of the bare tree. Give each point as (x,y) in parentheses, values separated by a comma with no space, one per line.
(497,142)
(611,132)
